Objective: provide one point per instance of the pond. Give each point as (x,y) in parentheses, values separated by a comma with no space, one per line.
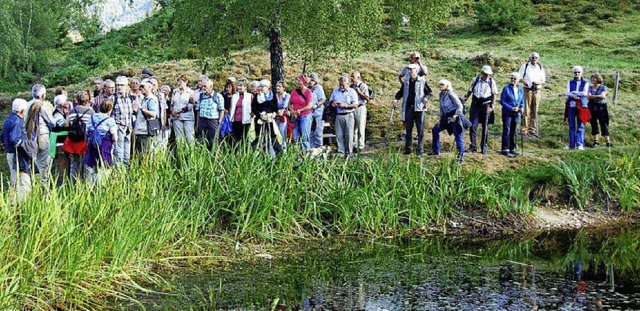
(577,270)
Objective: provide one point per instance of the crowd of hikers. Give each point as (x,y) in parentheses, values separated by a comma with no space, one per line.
(105,126)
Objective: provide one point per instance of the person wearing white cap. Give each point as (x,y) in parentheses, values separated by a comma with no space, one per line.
(533,77)
(414,59)
(484,92)
(147,125)
(14,138)
(577,91)
(415,94)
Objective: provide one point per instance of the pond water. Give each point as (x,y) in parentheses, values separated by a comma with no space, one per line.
(583,270)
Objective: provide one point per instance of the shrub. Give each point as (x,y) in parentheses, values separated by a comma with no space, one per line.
(503,16)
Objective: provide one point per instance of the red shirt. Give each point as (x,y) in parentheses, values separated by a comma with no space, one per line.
(298,102)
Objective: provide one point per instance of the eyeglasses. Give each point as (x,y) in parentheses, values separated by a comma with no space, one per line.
(577,72)
(512,78)
(121,85)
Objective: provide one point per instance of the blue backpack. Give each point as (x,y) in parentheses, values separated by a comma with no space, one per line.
(94,139)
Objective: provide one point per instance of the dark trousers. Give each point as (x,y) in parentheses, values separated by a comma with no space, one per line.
(208,130)
(239,131)
(412,118)
(457,134)
(599,114)
(478,115)
(509,129)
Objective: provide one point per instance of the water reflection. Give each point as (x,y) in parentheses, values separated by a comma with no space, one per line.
(583,270)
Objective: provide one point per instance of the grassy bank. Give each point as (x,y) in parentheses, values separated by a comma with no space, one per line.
(72,246)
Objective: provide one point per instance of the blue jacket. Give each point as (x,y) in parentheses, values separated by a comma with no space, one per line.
(14,137)
(508,98)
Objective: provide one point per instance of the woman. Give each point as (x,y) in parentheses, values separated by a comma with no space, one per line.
(182,102)
(76,146)
(300,105)
(102,132)
(240,111)
(282,98)
(451,119)
(598,107)
(165,90)
(227,93)
(577,91)
(264,108)
(512,101)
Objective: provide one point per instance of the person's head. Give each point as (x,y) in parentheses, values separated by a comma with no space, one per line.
(281,86)
(181,82)
(313,79)
(242,85)
(106,106)
(146,87)
(255,87)
(265,86)
(109,87)
(486,71)
(355,76)
(596,78)
(413,70)
(577,72)
(38,91)
(155,83)
(202,81)
(414,57)
(230,86)
(514,77)
(343,82)
(61,90)
(83,98)
(19,106)
(60,101)
(165,89)
(231,79)
(146,73)
(208,86)
(444,85)
(122,83)
(301,82)
(534,57)
(135,83)
(98,84)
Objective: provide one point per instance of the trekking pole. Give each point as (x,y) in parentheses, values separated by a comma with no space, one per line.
(522,115)
(393,111)
(485,135)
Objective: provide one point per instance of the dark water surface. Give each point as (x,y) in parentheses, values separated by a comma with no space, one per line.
(585,270)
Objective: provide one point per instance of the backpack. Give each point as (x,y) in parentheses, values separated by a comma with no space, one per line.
(78,128)
(94,138)
(372,93)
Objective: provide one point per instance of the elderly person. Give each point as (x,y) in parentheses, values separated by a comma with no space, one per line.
(533,78)
(165,90)
(415,94)
(16,145)
(42,121)
(345,100)
(265,108)
(149,109)
(484,92)
(300,105)
(182,102)
(577,91)
(319,98)
(100,157)
(451,119)
(97,86)
(598,108)
(210,109)
(146,73)
(360,114)
(62,108)
(512,101)
(76,147)
(240,111)
(282,120)
(414,58)
(109,88)
(122,113)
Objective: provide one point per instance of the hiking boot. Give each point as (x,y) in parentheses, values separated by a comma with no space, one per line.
(433,153)
(472,149)
(595,144)
(514,153)
(484,151)
(461,159)
(407,152)
(535,135)
(609,144)
(507,154)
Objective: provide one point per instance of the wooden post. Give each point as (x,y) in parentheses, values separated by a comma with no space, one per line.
(615,89)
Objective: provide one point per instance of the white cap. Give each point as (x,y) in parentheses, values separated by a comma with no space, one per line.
(122,80)
(146,82)
(534,54)
(486,69)
(514,74)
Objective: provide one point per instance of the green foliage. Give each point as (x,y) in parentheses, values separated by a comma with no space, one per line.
(503,16)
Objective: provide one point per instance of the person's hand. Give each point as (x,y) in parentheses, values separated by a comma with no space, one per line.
(395,103)
(515,109)
(453,119)
(489,109)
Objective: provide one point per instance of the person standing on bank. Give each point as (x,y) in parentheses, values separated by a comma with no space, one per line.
(533,78)
(16,144)
(484,92)
(210,108)
(345,100)
(42,121)
(451,119)
(300,105)
(240,111)
(182,102)
(122,113)
(147,139)
(598,107)
(577,91)
(415,94)
(512,101)
(319,98)
(360,114)
(414,58)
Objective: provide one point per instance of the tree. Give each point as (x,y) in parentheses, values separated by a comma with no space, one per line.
(308,29)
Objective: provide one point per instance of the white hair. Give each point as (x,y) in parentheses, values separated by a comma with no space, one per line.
(19,104)
(447,84)
(578,68)
(242,82)
(165,88)
(122,80)
(313,77)
(265,82)
(209,82)
(38,90)
(59,100)
(254,83)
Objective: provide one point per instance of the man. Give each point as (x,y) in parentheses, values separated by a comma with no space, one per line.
(415,94)
(345,100)
(162,112)
(136,94)
(17,147)
(360,114)
(97,86)
(319,98)
(484,92)
(414,58)
(109,88)
(122,113)
(209,108)
(45,125)
(149,110)
(533,78)
(146,73)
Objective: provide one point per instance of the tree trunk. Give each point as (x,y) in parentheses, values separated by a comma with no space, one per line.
(277,59)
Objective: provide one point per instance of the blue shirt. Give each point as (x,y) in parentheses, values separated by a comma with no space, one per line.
(210,105)
(12,132)
(108,126)
(318,95)
(348,96)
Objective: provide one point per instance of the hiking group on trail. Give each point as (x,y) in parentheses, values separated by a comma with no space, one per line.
(103,127)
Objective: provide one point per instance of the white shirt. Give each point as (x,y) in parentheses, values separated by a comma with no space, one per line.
(535,73)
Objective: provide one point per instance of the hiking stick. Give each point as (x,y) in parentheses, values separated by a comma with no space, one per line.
(522,133)
(393,111)
(485,135)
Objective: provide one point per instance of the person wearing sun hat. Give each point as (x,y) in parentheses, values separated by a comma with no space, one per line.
(484,92)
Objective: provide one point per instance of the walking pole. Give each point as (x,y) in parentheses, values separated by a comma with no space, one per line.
(522,130)
(393,111)
(486,133)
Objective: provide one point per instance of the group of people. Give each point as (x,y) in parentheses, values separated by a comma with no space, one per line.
(585,103)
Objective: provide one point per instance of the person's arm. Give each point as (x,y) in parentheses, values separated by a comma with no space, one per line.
(422,67)
(464,98)
(521,74)
(151,110)
(363,91)
(505,101)
(602,94)
(322,98)
(114,132)
(568,93)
